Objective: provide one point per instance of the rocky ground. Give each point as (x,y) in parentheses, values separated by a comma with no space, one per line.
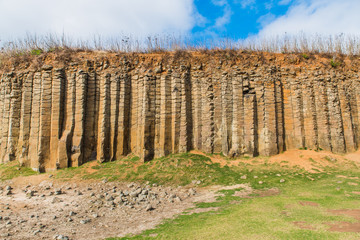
(95,210)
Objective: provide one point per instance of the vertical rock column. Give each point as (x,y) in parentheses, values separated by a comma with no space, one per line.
(2,99)
(45,118)
(280,118)
(165,116)
(6,82)
(176,111)
(185,113)
(298,114)
(104,119)
(322,113)
(353,90)
(157,126)
(197,110)
(309,111)
(225,143)
(35,123)
(123,132)
(57,116)
(90,140)
(114,114)
(208,116)
(336,123)
(26,102)
(149,107)
(250,125)
(65,143)
(270,130)
(237,116)
(347,116)
(14,118)
(77,148)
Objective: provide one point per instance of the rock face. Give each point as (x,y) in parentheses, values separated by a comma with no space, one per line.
(104,107)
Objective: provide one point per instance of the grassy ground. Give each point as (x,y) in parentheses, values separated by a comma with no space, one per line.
(300,211)
(272,217)
(13,170)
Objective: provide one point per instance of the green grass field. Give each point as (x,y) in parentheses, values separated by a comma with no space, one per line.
(301,209)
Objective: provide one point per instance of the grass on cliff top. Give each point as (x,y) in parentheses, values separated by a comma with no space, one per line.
(13,169)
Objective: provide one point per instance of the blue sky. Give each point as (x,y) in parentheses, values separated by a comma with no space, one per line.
(237,19)
(240,19)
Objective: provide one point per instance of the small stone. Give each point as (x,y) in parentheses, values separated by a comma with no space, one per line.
(58,192)
(36,232)
(110,198)
(260,182)
(192,191)
(255,176)
(72,213)
(61,237)
(8,188)
(105,180)
(282,180)
(56,200)
(278,175)
(243,177)
(149,208)
(85,221)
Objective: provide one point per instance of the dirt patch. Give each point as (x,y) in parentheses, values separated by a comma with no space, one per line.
(308,203)
(344,227)
(87,209)
(347,177)
(251,193)
(304,225)
(310,160)
(42,207)
(202,210)
(355,157)
(355,213)
(269,192)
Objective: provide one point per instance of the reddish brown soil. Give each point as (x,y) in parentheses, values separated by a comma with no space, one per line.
(308,203)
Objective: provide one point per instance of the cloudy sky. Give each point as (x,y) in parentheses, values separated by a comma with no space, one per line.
(237,19)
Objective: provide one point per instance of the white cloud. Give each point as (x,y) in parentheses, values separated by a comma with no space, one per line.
(224,19)
(84,18)
(284,2)
(245,3)
(220,22)
(317,16)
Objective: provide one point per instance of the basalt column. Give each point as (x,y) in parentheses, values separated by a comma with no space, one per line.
(70,111)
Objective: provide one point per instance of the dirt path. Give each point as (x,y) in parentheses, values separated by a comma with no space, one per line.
(37,207)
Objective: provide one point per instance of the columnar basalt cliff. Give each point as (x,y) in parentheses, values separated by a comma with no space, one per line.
(58,111)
